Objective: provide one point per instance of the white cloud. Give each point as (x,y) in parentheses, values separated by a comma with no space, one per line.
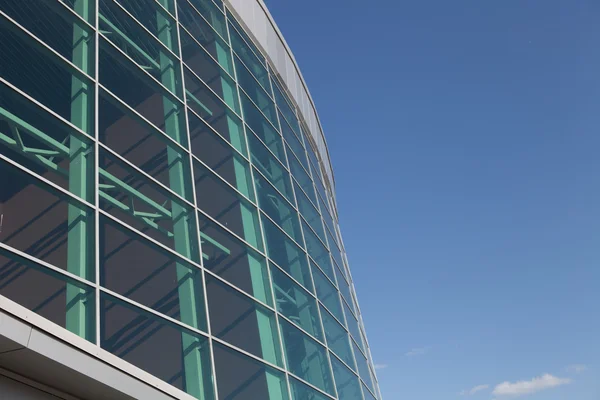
(576,368)
(380,366)
(418,351)
(537,384)
(474,390)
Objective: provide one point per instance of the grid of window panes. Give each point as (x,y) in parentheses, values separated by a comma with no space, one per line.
(159,197)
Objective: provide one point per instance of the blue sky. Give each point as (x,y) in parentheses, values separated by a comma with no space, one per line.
(465,138)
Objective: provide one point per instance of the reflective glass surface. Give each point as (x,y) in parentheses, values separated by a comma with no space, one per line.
(162,198)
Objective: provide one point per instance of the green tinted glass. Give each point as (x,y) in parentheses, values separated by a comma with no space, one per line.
(346,383)
(296,303)
(306,358)
(338,340)
(327,293)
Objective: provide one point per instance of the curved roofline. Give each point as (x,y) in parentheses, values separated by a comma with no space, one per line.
(255,15)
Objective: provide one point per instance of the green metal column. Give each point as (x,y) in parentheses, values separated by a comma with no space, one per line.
(79,312)
(197,377)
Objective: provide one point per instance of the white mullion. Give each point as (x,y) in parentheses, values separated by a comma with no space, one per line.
(196,217)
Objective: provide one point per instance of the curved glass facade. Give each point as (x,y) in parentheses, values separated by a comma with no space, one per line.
(162,198)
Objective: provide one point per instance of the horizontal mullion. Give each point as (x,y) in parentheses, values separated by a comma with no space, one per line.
(277,190)
(258,108)
(42,263)
(284,232)
(266,147)
(297,326)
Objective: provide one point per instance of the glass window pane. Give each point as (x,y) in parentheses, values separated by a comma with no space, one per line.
(285,253)
(142,204)
(295,303)
(215,152)
(335,251)
(363,368)
(142,338)
(293,142)
(154,18)
(206,103)
(285,105)
(352,325)
(309,212)
(223,121)
(241,321)
(143,145)
(203,33)
(42,75)
(51,148)
(338,340)
(347,384)
(255,91)
(208,70)
(152,277)
(242,377)
(143,48)
(45,223)
(276,207)
(262,127)
(270,167)
(368,394)
(302,178)
(55,297)
(234,261)
(224,204)
(306,358)
(327,293)
(301,391)
(56,26)
(212,14)
(344,288)
(318,252)
(246,51)
(329,223)
(129,83)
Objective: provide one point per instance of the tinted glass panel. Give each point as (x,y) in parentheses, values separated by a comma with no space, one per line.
(224,204)
(64,301)
(154,18)
(42,75)
(276,207)
(143,145)
(309,212)
(301,391)
(338,340)
(306,358)
(128,82)
(302,178)
(227,125)
(352,325)
(285,253)
(241,321)
(212,14)
(141,339)
(142,204)
(327,293)
(295,303)
(256,92)
(152,276)
(243,378)
(262,127)
(293,142)
(317,251)
(51,148)
(234,261)
(45,223)
(363,368)
(346,382)
(270,167)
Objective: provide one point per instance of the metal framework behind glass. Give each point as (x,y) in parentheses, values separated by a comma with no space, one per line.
(160,198)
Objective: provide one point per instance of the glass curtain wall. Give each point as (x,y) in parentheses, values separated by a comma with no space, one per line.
(161,197)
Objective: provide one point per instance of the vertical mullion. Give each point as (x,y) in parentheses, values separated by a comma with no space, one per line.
(271,385)
(96,169)
(190,290)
